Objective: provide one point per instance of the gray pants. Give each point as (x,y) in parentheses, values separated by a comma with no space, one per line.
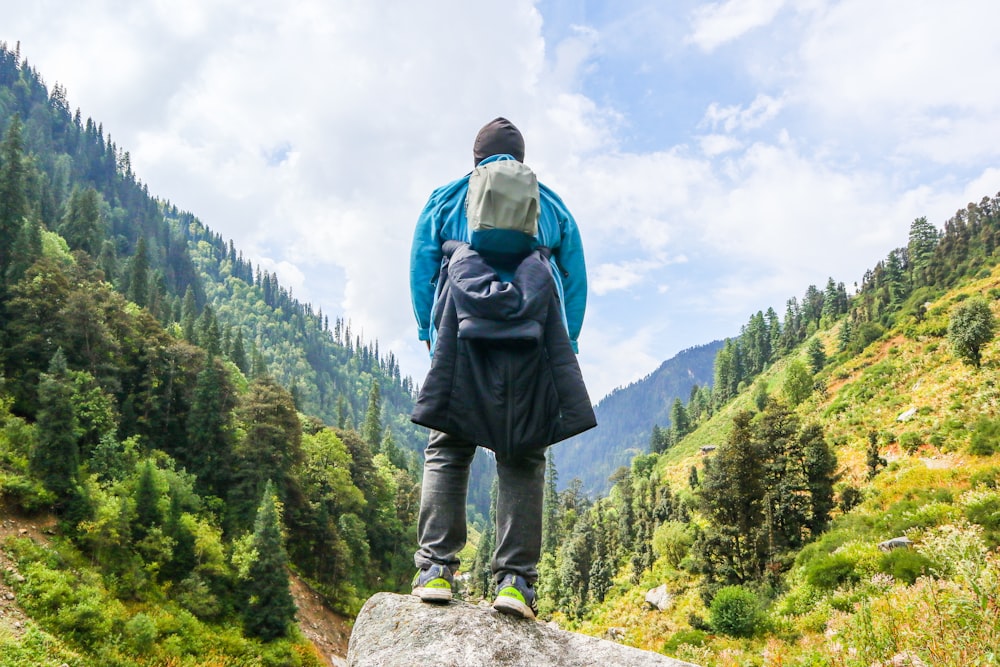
(441,528)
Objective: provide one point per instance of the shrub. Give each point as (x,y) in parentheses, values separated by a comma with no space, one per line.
(141,632)
(983,507)
(735,611)
(987,477)
(905,565)
(672,540)
(910,442)
(690,637)
(985,437)
(831,571)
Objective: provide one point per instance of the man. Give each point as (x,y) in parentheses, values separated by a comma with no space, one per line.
(448,457)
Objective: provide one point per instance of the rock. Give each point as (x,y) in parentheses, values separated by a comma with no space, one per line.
(658,598)
(905,416)
(337,661)
(615,634)
(401,631)
(895,543)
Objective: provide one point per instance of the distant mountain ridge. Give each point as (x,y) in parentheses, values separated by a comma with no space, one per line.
(626,416)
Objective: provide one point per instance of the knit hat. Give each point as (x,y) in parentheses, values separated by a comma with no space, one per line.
(497,137)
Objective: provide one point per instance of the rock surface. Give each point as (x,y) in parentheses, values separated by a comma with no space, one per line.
(658,598)
(400,631)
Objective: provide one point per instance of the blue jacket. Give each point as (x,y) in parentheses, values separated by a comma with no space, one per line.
(443,219)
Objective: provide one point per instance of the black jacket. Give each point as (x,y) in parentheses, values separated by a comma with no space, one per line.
(504,374)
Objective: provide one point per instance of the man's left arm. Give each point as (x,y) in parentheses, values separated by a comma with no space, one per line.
(571,262)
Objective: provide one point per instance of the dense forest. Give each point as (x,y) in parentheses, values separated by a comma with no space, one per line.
(192,426)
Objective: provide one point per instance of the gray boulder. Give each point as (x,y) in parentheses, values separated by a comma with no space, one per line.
(658,598)
(401,631)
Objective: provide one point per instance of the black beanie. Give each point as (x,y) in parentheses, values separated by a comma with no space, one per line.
(498,137)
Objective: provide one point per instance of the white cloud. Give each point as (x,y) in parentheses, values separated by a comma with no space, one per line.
(612,277)
(312,133)
(759,112)
(722,22)
(713,145)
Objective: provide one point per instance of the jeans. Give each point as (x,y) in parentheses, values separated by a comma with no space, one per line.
(441,528)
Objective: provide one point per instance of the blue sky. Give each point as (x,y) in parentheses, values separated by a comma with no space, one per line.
(719,156)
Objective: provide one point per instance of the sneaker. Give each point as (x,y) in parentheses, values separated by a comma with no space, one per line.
(515,597)
(434,584)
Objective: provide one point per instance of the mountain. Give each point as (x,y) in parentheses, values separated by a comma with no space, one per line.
(626,418)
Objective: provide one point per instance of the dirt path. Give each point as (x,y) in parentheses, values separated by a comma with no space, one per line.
(329,632)
(12,617)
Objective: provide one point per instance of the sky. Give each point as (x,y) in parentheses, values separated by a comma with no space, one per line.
(719,157)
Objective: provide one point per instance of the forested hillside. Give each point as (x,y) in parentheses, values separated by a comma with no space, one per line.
(635,418)
(836,500)
(192,427)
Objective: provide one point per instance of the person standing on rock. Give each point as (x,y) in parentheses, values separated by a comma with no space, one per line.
(499,287)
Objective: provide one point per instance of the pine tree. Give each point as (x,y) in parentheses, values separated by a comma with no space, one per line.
(481,575)
(821,472)
(82,226)
(147,502)
(270,449)
(270,609)
(733,546)
(550,507)
(189,315)
(874,459)
(816,354)
(239,353)
(13,203)
(680,425)
(56,457)
(371,431)
(210,438)
(138,275)
(27,248)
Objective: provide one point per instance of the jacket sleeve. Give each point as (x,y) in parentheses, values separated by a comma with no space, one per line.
(568,254)
(443,219)
(425,260)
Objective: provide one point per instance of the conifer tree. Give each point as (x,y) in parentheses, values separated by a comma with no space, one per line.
(874,459)
(26,248)
(82,226)
(680,425)
(138,275)
(147,502)
(480,574)
(270,448)
(239,353)
(733,546)
(183,557)
(821,473)
(189,315)
(550,507)
(371,431)
(13,202)
(270,609)
(56,457)
(210,438)
(817,355)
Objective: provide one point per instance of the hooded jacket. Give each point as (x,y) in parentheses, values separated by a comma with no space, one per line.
(504,374)
(444,219)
